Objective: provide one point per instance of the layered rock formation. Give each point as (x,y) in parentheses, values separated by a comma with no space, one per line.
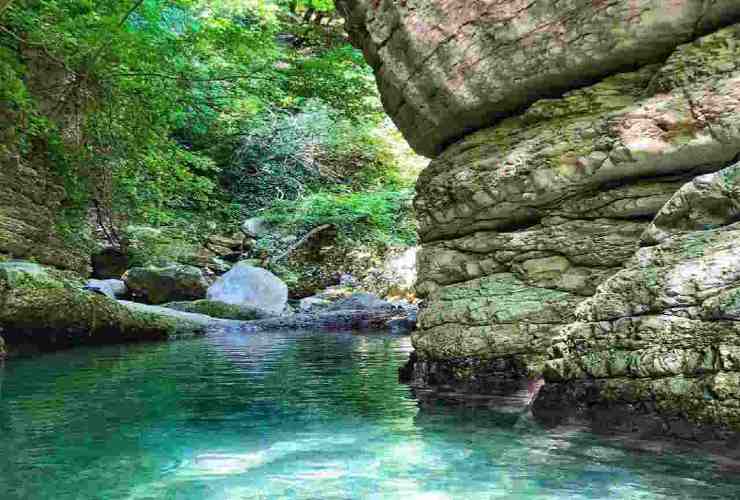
(532,228)
(660,340)
(446,67)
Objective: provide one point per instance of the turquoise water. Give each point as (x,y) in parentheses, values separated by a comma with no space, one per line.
(293,415)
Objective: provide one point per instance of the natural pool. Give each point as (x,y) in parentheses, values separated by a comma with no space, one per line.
(293,415)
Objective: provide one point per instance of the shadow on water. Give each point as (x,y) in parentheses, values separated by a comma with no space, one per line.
(293,415)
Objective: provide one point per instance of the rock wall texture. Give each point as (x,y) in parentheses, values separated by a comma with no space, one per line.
(582,229)
(447,67)
(31,199)
(31,193)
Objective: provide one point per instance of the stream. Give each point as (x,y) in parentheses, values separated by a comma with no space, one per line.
(295,415)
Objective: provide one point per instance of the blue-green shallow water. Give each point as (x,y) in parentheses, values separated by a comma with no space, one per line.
(293,415)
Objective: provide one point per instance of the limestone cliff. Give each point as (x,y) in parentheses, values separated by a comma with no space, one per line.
(577,227)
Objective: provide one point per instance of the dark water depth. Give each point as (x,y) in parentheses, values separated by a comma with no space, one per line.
(294,415)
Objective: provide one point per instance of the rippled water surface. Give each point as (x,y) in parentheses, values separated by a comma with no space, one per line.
(293,415)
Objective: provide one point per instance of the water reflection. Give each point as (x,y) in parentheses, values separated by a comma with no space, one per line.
(293,415)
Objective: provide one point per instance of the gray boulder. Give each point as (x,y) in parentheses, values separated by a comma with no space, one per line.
(115,289)
(170,283)
(362,301)
(250,286)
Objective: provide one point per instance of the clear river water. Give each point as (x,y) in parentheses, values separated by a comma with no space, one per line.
(295,415)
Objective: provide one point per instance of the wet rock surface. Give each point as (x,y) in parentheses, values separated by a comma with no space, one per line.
(115,289)
(359,311)
(222,310)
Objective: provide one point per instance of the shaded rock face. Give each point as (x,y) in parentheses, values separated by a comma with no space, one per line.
(31,198)
(157,285)
(449,67)
(659,343)
(585,238)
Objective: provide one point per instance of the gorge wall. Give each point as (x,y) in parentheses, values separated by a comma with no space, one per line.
(579,220)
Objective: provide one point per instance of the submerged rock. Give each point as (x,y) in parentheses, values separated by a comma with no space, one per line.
(174,282)
(246,285)
(216,309)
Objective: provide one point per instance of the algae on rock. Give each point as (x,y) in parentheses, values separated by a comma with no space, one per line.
(40,311)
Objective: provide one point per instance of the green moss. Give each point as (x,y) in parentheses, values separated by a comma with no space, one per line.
(46,309)
(651,276)
(221,310)
(730,177)
(50,317)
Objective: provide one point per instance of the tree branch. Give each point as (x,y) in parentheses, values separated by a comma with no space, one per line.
(299,244)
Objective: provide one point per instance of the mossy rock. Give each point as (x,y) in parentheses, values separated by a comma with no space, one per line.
(173,282)
(222,310)
(41,313)
(55,318)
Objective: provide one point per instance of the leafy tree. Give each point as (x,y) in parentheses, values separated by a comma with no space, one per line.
(167,111)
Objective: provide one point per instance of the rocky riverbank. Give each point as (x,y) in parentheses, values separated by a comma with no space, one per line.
(43,309)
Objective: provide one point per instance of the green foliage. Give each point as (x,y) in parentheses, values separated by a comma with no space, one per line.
(190,114)
(149,246)
(380,216)
(13,92)
(277,157)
